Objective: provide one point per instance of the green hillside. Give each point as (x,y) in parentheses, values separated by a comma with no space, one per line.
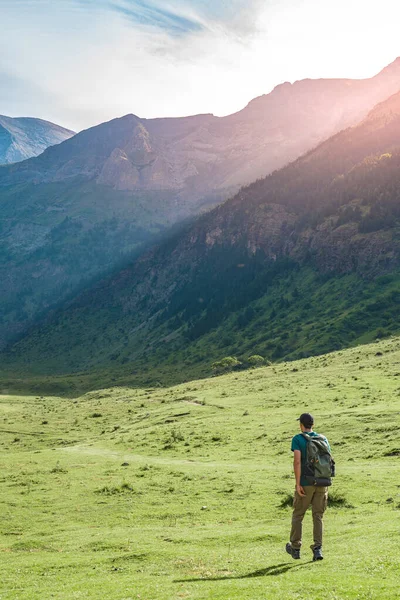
(183,492)
(59,237)
(303,262)
(300,316)
(68,217)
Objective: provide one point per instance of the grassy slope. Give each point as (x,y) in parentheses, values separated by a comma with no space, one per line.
(78,524)
(300,315)
(281,310)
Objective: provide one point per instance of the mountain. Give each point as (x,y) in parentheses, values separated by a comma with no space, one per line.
(304,261)
(24,137)
(197,155)
(89,204)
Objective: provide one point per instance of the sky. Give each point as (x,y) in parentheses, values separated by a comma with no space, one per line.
(82,62)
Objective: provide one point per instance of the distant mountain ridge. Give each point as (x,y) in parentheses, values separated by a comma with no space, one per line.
(24,137)
(304,261)
(82,207)
(202,154)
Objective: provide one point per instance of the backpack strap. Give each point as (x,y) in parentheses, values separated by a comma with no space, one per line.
(317,439)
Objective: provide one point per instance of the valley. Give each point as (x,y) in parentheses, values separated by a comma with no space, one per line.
(300,263)
(183,491)
(89,206)
(210,256)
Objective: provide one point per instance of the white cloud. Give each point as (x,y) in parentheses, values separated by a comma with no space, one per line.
(82,62)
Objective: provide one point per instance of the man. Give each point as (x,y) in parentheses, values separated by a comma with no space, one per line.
(306,494)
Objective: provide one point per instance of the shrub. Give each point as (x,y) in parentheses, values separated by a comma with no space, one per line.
(177,436)
(256,360)
(58,469)
(225,364)
(174,437)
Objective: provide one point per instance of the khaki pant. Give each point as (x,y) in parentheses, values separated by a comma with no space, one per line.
(318,498)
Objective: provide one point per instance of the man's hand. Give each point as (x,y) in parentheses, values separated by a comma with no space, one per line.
(300,490)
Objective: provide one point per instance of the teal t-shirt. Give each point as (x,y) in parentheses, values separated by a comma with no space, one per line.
(299,442)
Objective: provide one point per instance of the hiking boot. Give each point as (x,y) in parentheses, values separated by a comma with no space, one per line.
(294,552)
(317,553)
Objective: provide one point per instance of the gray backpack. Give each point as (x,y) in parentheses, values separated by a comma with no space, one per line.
(319,466)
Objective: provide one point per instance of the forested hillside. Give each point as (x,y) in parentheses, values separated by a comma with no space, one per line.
(89,205)
(302,262)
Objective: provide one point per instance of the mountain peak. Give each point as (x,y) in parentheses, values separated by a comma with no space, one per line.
(26,137)
(129,117)
(391,69)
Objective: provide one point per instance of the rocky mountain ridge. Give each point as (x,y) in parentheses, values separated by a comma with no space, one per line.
(201,154)
(25,137)
(268,253)
(84,206)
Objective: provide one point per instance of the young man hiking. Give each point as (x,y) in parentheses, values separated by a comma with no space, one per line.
(313,467)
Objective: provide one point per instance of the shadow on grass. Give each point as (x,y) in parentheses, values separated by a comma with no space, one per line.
(267,572)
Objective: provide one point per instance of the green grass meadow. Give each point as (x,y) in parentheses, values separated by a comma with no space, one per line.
(184,492)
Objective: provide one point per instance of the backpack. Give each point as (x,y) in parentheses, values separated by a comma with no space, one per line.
(319,466)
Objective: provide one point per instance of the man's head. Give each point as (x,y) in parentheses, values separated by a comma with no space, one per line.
(306,421)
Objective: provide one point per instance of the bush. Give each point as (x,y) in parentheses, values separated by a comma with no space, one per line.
(172,439)
(225,364)
(256,360)
(58,469)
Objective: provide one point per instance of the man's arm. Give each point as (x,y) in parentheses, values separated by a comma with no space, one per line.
(329,446)
(297,471)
